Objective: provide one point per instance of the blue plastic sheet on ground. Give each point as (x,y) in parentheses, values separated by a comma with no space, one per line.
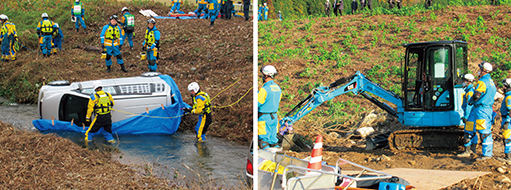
(137,124)
(176,17)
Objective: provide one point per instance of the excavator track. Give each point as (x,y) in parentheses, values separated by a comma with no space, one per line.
(426,139)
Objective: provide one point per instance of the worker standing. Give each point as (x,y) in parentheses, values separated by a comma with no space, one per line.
(260,12)
(213,11)
(338,6)
(268,99)
(151,43)
(279,15)
(428,3)
(481,117)
(100,103)
(265,11)
(112,38)
(58,39)
(328,7)
(176,6)
(77,13)
(45,31)
(469,135)
(246,8)
(8,36)
(201,7)
(128,25)
(505,113)
(354,7)
(201,107)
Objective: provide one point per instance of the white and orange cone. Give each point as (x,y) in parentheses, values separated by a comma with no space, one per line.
(316,156)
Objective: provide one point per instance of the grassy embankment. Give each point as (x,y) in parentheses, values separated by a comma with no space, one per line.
(314,52)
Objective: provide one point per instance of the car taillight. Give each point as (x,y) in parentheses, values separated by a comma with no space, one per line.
(249,167)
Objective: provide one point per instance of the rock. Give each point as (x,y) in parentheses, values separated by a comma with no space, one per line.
(334,135)
(172,73)
(364,131)
(368,120)
(502,169)
(193,68)
(201,77)
(385,157)
(505,180)
(411,162)
(89,64)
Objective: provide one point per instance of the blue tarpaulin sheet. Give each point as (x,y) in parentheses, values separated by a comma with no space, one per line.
(158,121)
(176,17)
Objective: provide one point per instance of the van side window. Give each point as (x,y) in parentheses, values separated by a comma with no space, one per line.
(73,107)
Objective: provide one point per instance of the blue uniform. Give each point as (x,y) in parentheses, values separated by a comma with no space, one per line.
(112,37)
(176,6)
(213,9)
(58,40)
(129,32)
(203,6)
(8,35)
(202,107)
(78,12)
(265,12)
(469,92)
(268,99)
(260,13)
(481,117)
(46,28)
(152,42)
(506,129)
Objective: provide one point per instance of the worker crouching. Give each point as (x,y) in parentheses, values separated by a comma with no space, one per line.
(201,107)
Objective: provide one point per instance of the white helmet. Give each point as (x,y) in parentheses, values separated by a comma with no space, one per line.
(507,82)
(269,70)
(265,4)
(44,15)
(469,77)
(97,84)
(77,1)
(57,25)
(124,9)
(486,66)
(194,87)
(3,17)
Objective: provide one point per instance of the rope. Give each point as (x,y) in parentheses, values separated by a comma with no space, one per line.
(225,89)
(236,101)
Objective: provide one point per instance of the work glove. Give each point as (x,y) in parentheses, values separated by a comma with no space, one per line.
(144,48)
(187,110)
(120,47)
(87,121)
(102,46)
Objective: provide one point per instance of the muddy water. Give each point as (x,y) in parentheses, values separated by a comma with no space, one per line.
(215,159)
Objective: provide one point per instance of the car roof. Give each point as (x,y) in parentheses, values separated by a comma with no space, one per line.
(123,81)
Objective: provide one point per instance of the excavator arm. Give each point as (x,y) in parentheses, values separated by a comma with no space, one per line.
(358,84)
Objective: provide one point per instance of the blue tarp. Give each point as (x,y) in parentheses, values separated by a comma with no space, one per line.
(136,124)
(179,17)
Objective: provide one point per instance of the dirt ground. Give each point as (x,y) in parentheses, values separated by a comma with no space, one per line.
(354,149)
(215,57)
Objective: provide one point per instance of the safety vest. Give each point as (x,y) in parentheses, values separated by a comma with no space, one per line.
(207,104)
(4,30)
(77,9)
(149,38)
(103,105)
(47,27)
(112,33)
(130,20)
(203,2)
(211,6)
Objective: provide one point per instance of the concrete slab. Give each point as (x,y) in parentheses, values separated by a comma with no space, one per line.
(429,179)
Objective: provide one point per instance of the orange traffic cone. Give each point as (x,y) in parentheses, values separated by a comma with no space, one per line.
(316,156)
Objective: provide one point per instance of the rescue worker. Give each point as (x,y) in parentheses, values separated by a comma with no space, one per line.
(151,43)
(469,135)
(279,15)
(428,3)
(354,7)
(362,4)
(327,8)
(260,12)
(268,99)
(265,11)
(338,7)
(128,25)
(201,107)
(228,6)
(100,103)
(213,11)
(176,6)
(202,6)
(369,4)
(246,8)
(480,117)
(45,30)
(505,113)
(112,38)
(8,36)
(58,39)
(77,13)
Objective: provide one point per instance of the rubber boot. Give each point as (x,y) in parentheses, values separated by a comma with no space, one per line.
(473,148)
(107,69)
(465,154)
(123,68)
(77,30)
(86,31)
(212,23)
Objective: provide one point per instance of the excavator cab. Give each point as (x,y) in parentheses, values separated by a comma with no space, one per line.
(432,83)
